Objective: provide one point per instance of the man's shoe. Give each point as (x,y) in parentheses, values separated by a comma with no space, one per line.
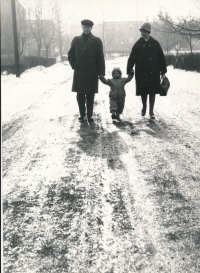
(81,119)
(152,116)
(90,119)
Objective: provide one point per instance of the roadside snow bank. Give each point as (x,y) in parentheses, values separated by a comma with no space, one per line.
(20,93)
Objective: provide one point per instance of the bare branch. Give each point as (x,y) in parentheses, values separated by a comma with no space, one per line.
(187,27)
(183,27)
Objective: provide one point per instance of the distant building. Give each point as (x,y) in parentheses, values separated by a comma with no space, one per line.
(117,37)
(7,44)
(27,45)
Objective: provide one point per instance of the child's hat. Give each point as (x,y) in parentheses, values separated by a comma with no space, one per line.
(117,69)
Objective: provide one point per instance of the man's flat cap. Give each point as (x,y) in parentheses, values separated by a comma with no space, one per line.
(87,22)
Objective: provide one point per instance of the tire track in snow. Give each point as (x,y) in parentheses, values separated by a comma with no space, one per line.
(163,159)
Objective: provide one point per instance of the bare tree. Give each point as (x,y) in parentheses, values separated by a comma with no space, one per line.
(48,35)
(58,26)
(191,36)
(35,26)
(188,28)
(24,34)
(184,26)
(167,39)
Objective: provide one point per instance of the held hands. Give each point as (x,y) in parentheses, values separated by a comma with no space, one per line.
(131,73)
(101,76)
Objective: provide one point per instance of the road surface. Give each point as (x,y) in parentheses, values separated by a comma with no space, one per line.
(108,197)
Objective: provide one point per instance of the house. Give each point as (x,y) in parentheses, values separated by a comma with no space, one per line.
(7,44)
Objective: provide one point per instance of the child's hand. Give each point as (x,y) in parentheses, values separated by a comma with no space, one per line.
(130,76)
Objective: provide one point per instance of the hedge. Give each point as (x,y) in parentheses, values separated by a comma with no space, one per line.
(186,61)
(28,62)
(10,68)
(32,61)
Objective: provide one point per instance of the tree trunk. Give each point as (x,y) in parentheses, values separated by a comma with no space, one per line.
(15,38)
(47,55)
(60,45)
(39,53)
(47,52)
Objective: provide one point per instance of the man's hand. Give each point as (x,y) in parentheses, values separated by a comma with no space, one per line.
(131,73)
(103,79)
(129,78)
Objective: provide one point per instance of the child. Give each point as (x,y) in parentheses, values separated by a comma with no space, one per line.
(117,92)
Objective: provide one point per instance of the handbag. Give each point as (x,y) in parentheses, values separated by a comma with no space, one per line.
(164,85)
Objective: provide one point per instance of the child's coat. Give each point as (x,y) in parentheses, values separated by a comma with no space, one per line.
(117,95)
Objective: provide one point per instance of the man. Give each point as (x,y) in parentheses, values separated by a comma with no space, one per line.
(87,59)
(149,61)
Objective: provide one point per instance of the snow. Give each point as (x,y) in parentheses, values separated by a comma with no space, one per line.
(18,94)
(135,183)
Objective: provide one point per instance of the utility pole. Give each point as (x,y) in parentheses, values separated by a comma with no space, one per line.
(15,38)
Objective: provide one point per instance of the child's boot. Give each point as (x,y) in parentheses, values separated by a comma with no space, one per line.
(117,116)
(114,116)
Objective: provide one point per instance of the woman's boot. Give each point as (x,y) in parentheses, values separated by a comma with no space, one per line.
(144,103)
(151,105)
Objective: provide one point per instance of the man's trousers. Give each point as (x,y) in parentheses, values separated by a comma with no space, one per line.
(85,101)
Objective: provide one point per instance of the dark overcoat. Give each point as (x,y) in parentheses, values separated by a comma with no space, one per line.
(87,60)
(149,61)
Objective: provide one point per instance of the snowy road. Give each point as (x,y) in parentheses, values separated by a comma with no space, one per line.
(108,197)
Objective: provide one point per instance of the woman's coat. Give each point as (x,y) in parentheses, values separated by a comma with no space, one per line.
(149,61)
(87,60)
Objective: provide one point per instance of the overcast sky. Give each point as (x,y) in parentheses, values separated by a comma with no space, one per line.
(120,10)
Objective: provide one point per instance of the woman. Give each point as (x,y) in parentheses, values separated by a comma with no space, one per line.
(149,61)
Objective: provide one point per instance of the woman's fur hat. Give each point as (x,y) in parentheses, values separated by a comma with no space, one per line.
(117,69)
